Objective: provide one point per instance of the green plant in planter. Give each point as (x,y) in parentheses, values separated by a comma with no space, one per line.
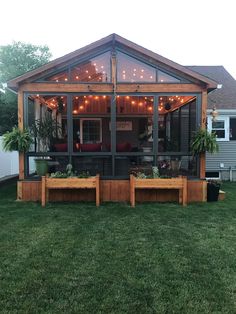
(69,173)
(44,130)
(155,174)
(17,139)
(204,141)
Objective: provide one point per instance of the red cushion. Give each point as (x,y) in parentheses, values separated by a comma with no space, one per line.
(61,147)
(91,147)
(123,147)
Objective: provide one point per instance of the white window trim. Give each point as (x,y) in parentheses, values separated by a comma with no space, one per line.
(226,127)
(81,128)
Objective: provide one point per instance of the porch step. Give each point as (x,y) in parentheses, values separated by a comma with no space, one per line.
(221,195)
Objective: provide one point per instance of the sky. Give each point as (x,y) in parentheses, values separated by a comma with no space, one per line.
(189,32)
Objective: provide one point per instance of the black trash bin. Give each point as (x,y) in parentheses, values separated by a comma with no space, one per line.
(213,188)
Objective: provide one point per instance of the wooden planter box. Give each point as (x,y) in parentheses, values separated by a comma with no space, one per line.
(69,183)
(179,183)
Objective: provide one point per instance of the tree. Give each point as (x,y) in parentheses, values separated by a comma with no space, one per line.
(16,59)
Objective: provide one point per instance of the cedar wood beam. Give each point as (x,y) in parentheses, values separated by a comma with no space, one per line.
(108,88)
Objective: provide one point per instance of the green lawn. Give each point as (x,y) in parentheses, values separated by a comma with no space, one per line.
(155,258)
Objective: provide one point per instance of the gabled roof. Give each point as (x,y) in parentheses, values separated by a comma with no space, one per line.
(112,39)
(224,98)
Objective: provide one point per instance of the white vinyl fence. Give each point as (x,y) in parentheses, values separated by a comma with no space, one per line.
(9,162)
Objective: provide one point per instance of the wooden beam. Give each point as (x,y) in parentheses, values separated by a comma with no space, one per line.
(20,109)
(158,88)
(203,126)
(21,126)
(132,191)
(70,88)
(19,190)
(97,190)
(204,109)
(108,88)
(113,71)
(43,195)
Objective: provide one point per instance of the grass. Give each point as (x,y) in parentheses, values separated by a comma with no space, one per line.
(154,258)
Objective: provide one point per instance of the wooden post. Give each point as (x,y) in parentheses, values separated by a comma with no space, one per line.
(19,191)
(202,156)
(97,190)
(204,191)
(185,191)
(43,194)
(181,192)
(132,191)
(21,126)
(113,71)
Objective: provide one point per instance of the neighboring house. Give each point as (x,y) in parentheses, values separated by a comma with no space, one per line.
(223,164)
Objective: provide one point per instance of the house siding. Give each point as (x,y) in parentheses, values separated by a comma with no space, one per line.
(227,156)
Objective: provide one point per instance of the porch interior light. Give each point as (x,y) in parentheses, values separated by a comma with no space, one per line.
(167,106)
(214,114)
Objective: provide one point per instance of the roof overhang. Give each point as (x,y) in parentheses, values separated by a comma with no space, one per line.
(112,40)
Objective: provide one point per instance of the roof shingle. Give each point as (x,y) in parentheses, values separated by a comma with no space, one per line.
(224,98)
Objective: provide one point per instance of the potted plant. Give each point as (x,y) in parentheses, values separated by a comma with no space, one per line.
(17,140)
(44,130)
(213,189)
(204,141)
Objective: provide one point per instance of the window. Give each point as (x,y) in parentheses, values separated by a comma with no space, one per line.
(58,77)
(220,127)
(166,78)
(96,69)
(132,70)
(90,130)
(232,128)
